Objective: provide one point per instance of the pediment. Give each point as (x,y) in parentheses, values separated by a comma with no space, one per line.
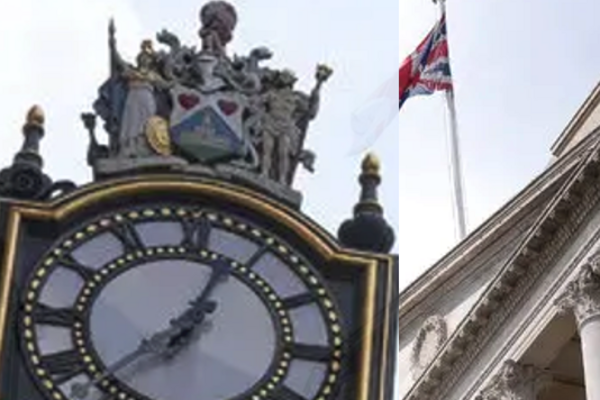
(562,231)
(468,285)
(585,120)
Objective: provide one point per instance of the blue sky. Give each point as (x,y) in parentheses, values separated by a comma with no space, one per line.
(521,69)
(55,54)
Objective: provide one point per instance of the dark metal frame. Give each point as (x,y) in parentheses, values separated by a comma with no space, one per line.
(120,223)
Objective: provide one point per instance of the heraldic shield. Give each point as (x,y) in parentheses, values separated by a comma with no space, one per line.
(207,127)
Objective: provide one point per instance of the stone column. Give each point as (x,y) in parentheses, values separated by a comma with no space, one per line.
(514,381)
(583,297)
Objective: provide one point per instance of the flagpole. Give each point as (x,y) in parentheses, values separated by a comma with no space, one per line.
(454,155)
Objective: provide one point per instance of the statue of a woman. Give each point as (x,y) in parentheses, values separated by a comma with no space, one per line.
(140,103)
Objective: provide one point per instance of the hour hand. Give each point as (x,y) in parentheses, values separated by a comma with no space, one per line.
(169,342)
(195,316)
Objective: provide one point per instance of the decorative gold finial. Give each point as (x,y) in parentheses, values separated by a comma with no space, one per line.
(371,164)
(368,230)
(35,116)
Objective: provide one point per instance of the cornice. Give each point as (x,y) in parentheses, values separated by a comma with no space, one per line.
(481,269)
(556,225)
(578,119)
(566,273)
(492,229)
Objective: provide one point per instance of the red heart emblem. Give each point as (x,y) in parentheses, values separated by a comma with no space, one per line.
(188,101)
(228,107)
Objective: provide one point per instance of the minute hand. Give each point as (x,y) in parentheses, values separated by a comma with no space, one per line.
(194,316)
(168,342)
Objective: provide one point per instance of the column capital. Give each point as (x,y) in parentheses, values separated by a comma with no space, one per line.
(514,381)
(582,295)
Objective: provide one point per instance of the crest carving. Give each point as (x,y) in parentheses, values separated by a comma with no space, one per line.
(429,341)
(179,105)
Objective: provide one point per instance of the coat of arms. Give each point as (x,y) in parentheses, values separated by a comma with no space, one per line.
(204,107)
(207,127)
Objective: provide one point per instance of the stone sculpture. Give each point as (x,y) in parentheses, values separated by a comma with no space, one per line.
(140,102)
(218,20)
(203,108)
(284,116)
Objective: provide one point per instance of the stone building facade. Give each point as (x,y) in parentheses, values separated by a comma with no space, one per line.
(513,311)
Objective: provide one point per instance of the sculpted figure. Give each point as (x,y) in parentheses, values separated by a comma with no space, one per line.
(280,135)
(218,20)
(307,111)
(174,64)
(140,103)
(245,74)
(284,115)
(164,98)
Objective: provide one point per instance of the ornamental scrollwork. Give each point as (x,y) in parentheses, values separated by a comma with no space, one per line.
(582,295)
(514,381)
(182,106)
(431,337)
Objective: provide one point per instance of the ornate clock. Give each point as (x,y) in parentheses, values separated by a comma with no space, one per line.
(205,294)
(186,270)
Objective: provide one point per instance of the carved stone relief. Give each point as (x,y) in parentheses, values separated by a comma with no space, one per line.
(515,381)
(582,295)
(181,107)
(431,338)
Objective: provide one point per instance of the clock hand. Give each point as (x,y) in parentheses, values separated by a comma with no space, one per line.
(195,316)
(157,344)
(170,341)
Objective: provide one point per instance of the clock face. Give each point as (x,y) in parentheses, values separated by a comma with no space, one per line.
(175,303)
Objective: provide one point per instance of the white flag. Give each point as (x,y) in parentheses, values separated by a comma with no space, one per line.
(375,114)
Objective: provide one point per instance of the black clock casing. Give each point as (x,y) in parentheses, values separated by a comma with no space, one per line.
(355,291)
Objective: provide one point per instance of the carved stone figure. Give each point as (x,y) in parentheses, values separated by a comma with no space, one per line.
(285,115)
(280,135)
(140,103)
(218,20)
(244,74)
(203,109)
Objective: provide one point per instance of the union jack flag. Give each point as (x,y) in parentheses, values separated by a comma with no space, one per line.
(427,69)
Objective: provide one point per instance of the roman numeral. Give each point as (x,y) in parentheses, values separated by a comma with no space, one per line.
(285,393)
(311,352)
(299,300)
(71,263)
(47,315)
(64,365)
(128,236)
(256,256)
(196,233)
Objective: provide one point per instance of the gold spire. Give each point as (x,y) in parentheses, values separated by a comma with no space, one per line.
(371,164)
(35,116)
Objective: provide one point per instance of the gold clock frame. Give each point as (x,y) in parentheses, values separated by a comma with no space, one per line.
(306,229)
